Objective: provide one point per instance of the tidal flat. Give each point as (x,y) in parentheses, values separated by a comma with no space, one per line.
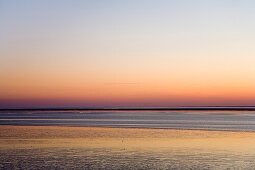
(61,147)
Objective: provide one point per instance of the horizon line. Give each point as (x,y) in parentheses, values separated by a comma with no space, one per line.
(180,108)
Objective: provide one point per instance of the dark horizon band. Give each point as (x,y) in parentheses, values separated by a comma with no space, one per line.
(181,108)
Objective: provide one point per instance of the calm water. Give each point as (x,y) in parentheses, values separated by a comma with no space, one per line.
(218,120)
(157,145)
(47,147)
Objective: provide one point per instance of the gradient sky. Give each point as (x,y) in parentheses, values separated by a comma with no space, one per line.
(65,53)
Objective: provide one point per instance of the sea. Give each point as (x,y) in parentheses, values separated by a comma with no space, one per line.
(156,138)
(209,118)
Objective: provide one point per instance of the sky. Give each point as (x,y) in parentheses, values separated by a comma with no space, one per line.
(116,53)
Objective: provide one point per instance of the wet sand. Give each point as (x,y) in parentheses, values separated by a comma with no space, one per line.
(44,147)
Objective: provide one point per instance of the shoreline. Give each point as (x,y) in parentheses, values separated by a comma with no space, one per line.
(181,108)
(135,128)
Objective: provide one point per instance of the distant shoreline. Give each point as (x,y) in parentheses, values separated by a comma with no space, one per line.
(195,108)
(141,128)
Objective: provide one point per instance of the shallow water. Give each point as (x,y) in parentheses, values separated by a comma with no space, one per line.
(156,146)
(218,120)
(48,147)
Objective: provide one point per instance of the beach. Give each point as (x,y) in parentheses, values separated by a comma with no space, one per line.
(62,147)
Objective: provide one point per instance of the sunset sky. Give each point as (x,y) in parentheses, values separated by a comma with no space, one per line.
(96,53)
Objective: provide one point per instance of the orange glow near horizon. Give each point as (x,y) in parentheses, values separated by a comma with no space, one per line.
(133,94)
(154,88)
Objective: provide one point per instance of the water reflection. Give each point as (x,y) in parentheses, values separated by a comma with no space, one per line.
(117,148)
